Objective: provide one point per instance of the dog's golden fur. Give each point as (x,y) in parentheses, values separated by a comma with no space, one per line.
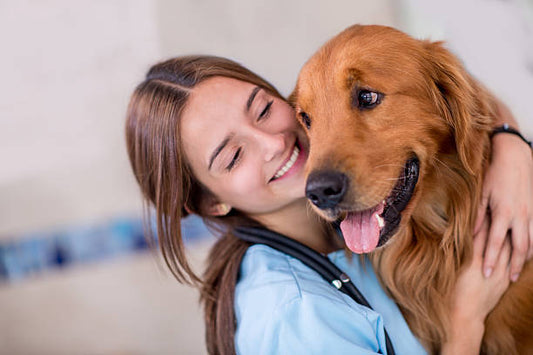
(434,109)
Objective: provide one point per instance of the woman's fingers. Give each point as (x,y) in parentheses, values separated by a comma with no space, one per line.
(520,244)
(530,253)
(521,241)
(497,234)
(482,211)
(480,240)
(502,266)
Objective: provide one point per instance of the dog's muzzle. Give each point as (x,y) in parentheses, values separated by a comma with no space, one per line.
(326,189)
(363,230)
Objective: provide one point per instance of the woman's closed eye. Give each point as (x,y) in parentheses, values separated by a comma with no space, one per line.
(266,111)
(236,157)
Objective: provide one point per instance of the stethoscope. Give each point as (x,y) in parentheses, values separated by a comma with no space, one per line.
(316,261)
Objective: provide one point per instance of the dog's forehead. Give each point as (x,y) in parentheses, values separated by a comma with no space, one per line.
(374,56)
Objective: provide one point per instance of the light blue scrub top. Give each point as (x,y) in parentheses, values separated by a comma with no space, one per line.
(284,307)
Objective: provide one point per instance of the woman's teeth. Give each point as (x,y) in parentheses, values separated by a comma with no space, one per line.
(289,163)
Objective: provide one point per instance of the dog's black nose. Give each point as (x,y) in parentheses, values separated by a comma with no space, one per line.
(326,189)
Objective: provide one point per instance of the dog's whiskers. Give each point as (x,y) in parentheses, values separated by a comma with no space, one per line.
(443,164)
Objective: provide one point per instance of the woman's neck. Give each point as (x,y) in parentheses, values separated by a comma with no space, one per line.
(299,222)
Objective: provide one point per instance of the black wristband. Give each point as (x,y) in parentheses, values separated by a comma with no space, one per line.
(507,129)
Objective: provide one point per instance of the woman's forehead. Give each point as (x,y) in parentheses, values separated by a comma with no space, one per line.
(214,103)
(215,107)
(222,88)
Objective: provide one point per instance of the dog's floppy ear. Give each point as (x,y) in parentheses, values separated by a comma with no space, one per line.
(460,101)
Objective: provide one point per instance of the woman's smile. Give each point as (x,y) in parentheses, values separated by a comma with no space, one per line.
(293,164)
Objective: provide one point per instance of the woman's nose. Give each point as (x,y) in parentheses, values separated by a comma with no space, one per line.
(271,144)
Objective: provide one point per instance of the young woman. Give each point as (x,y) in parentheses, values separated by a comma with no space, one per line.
(206,136)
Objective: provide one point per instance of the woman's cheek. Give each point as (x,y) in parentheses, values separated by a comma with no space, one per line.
(248,181)
(244,188)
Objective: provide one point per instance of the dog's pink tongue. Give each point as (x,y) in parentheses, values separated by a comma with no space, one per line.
(361,230)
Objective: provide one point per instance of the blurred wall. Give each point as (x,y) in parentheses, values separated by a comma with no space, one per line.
(273,38)
(67,71)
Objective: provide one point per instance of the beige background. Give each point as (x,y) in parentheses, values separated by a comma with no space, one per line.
(68,69)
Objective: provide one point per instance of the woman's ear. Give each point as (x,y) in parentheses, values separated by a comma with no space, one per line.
(210,206)
(188,209)
(218,209)
(204,203)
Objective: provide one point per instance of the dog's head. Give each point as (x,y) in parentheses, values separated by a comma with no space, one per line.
(381,109)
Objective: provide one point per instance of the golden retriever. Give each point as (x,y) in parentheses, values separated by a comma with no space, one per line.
(399,136)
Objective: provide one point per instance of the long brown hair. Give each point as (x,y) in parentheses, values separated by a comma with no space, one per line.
(168,185)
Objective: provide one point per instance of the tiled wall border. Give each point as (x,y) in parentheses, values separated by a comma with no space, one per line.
(36,253)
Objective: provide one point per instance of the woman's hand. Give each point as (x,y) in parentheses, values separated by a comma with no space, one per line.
(508,197)
(475,296)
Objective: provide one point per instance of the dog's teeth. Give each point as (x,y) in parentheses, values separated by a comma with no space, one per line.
(380,220)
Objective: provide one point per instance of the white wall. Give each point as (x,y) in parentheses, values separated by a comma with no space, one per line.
(67,71)
(273,38)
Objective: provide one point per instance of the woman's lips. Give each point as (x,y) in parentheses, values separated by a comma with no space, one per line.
(292,164)
(289,163)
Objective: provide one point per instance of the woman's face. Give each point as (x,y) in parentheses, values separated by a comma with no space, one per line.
(244,145)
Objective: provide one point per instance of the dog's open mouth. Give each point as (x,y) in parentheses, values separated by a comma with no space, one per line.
(366,230)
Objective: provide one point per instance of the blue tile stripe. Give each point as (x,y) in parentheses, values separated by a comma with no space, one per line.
(35,253)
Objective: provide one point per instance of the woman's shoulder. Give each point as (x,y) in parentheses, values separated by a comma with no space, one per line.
(282,304)
(271,282)
(284,277)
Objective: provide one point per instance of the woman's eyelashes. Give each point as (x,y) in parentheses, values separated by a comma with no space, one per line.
(266,111)
(238,153)
(235,159)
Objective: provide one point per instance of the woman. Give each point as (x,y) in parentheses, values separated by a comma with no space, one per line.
(207,136)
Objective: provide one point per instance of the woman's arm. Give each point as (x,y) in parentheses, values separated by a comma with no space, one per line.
(475,296)
(508,197)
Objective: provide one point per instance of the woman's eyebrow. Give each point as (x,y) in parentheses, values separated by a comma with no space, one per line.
(217,151)
(252,97)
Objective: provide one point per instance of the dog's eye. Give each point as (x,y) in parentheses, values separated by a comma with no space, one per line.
(305,119)
(367,99)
